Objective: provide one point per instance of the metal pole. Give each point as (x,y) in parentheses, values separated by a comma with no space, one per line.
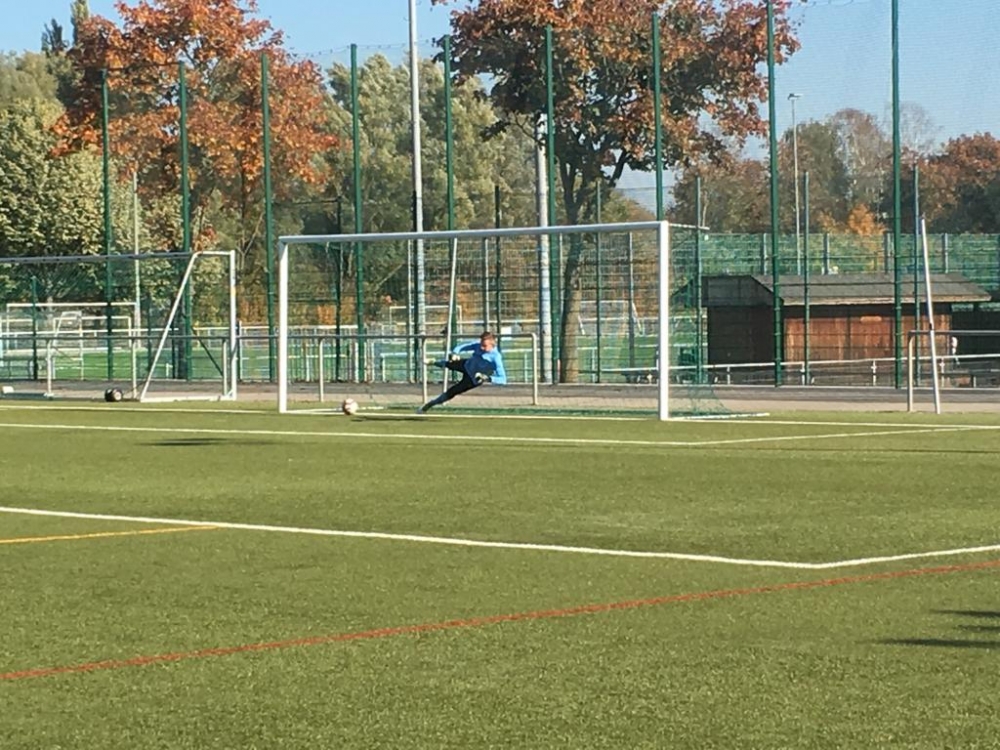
(805,283)
(282,268)
(597,283)
(265,110)
(449,150)
(657,117)
(631,302)
(545,317)
(485,272)
(916,260)
(106,177)
(498,222)
(34,328)
(137,313)
(773,140)
(185,218)
(137,280)
(795,159)
(233,344)
(418,191)
(550,175)
(358,261)
(411,348)
(930,320)
(663,347)
(699,362)
(449,135)
(896,200)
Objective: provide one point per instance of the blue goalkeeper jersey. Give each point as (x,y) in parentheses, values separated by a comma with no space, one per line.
(481,362)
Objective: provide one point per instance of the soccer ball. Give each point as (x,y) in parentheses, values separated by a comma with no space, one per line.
(349,407)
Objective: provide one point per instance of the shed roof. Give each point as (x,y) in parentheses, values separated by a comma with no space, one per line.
(837,289)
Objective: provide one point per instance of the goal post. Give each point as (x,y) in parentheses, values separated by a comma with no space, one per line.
(499,279)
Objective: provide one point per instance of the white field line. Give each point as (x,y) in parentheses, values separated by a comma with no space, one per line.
(827,436)
(909,556)
(466,438)
(111,408)
(460,542)
(335,411)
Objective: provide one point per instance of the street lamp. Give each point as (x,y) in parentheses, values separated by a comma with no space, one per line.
(795,160)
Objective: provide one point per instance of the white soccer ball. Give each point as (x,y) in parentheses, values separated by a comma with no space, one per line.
(349,407)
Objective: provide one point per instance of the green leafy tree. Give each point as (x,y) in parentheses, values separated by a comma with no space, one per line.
(25,76)
(387,162)
(49,205)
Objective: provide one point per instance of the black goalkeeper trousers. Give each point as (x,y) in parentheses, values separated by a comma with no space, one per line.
(463,385)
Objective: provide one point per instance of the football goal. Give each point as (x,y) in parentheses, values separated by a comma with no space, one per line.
(585,311)
(145,326)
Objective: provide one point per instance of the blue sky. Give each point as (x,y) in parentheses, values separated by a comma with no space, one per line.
(950,53)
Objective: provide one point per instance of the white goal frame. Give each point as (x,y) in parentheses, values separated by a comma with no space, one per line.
(229,369)
(661,228)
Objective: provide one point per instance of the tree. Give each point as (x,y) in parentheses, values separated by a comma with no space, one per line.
(49,205)
(866,152)
(56,49)
(387,160)
(734,197)
(387,150)
(25,77)
(712,86)
(222,47)
(960,187)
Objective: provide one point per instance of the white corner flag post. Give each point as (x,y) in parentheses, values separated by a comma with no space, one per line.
(663,349)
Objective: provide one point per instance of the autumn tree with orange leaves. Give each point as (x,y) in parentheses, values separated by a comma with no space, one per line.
(221,45)
(711,59)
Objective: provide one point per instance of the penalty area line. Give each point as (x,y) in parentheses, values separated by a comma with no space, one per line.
(488,620)
(524,546)
(413,538)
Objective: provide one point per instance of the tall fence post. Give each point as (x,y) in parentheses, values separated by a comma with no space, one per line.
(265,109)
(186,324)
(359,280)
(106,190)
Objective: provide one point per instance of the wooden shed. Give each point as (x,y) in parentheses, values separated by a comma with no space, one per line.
(851,315)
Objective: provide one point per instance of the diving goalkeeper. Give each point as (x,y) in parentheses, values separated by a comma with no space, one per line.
(484,365)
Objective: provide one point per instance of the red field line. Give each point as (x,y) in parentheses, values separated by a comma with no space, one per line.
(475,622)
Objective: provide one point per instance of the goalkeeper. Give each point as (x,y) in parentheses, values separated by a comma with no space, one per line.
(484,365)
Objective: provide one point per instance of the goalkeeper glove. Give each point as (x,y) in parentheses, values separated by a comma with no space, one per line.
(482,377)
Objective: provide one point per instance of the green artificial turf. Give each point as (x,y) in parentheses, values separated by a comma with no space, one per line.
(113,639)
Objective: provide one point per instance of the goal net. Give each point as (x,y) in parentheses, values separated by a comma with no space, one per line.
(148,326)
(581,313)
